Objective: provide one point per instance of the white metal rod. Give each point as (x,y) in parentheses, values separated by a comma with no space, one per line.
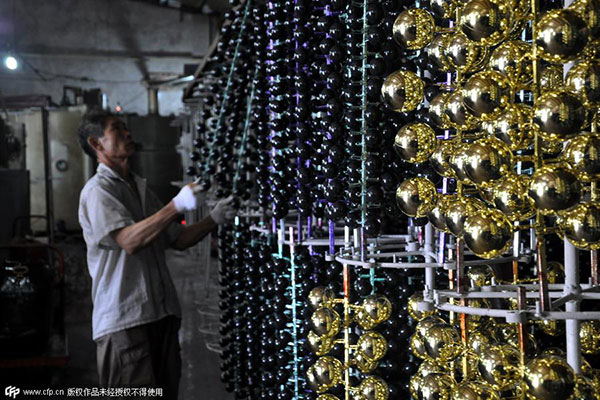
(429,257)
(572,287)
(510,314)
(516,240)
(572,327)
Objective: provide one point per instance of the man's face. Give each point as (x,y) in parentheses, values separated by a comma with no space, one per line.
(116,142)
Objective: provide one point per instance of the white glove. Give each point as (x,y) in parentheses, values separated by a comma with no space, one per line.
(189,198)
(223,211)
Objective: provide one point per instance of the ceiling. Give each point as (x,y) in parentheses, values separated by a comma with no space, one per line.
(192,6)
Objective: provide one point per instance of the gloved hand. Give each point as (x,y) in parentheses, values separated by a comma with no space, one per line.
(189,198)
(223,211)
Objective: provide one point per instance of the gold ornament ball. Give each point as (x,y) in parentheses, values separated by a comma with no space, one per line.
(436,51)
(549,378)
(402,91)
(479,340)
(464,55)
(552,327)
(511,59)
(511,197)
(437,387)
(415,197)
(488,233)
(487,161)
(499,365)
(364,364)
(325,373)
(442,342)
(584,78)
(516,392)
(437,111)
(582,153)
(588,371)
(474,390)
(413,29)
(554,188)
(325,322)
(561,35)
(374,310)
(320,345)
(551,78)
(414,386)
(458,116)
(589,10)
(581,226)
(311,379)
(555,272)
(512,127)
(554,351)
(457,371)
(363,319)
(443,9)
(458,211)
(585,389)
(589,334)
(378,307)
(559,115)
(428,367)
(486,94)
(415,142)
(478,320)
(485,21)
(413,308)
(595,377)
(373,388)
(437,216)
(372,345)
(480,275)
(486,194)
(424,324)
(504,331)
(417,347)
(458,162)
(440,159)
(320,297)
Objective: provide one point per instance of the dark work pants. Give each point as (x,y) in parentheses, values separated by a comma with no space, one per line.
(145,356)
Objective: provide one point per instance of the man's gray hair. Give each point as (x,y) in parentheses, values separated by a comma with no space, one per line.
(93,124)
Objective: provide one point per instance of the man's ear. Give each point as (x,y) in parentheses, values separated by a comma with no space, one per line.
(94,143)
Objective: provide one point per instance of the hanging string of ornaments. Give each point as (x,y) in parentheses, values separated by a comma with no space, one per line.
(419,205)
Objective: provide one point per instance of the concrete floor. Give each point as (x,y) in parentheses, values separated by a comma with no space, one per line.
(197,291)
(198,294)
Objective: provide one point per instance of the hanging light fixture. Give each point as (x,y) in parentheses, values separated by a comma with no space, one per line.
(11,62)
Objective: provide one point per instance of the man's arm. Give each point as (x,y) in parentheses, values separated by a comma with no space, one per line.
(192,234)
(134,237)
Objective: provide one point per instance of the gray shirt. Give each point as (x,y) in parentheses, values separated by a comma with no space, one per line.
(127,290)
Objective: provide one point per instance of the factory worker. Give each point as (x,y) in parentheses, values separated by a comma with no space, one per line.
(136,314)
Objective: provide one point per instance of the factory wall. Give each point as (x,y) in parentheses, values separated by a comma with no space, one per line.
(110,44)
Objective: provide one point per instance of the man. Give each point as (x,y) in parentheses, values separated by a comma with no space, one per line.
(136,314)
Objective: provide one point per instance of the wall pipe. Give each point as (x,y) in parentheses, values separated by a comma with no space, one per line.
(152,100)
(49,192)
